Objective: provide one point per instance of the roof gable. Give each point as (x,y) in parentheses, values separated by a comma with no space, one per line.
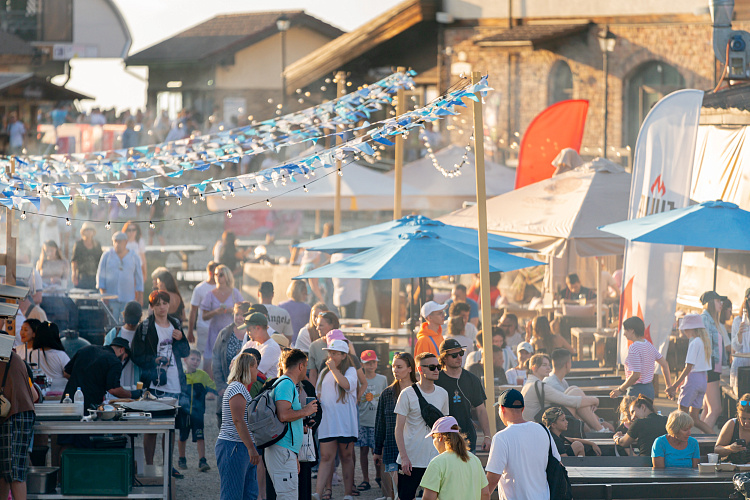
(228,32)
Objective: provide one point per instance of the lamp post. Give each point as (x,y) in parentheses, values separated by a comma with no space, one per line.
(607,41)
(282,24)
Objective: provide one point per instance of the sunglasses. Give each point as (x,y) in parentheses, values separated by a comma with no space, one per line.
(432,368)
(744,403)
(458,354)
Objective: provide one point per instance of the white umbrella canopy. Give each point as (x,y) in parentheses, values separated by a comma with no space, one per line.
(361,189)
(450,193)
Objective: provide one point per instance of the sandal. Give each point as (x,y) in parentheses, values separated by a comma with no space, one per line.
(363,486)
(380,482)
(354,492)
(327,494)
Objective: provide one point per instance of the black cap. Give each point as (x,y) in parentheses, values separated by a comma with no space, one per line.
(709,296)
(254,352)
(511,399)
(121,342)
(449,344)
(257,308)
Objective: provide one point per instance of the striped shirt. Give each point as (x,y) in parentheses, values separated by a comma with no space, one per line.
(641,358)
(228,431)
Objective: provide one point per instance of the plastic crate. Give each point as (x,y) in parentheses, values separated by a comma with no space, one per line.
(97,472)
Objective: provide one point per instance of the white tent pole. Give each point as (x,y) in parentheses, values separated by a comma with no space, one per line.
(484,256)
(397,181)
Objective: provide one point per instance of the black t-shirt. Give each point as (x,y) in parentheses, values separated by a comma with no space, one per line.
(645,431)
(86,259)
(464,393)
(562,445)
(95,369)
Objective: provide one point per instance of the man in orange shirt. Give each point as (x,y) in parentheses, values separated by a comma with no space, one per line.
(430,335)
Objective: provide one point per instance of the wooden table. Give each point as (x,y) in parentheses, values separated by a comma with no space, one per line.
(706,442)
(183,250)
(355,323)
(580,336)
(645,482)
(595,371)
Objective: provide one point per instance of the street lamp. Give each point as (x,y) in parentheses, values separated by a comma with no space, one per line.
(607,41)
(282,24)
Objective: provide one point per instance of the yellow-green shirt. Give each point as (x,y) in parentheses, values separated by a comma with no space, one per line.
(453,478)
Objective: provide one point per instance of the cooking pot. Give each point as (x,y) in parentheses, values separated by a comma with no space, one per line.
(104,412)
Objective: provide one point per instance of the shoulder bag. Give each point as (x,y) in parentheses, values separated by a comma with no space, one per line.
(430,414)
(557,476)
(5,402)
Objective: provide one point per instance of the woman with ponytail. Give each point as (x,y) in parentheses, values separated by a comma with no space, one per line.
(455,472)
(712,306)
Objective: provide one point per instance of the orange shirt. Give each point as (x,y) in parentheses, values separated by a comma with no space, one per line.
(428,340)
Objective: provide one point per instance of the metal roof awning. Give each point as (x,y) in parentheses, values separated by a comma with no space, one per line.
(532,35)
(27,86)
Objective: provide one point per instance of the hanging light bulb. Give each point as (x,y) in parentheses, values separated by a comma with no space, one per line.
(125,205)
(223,196)
(203,198)
(166,203)
(268,202)
(151,225)
(138,203)
(195,201)
(303,187)
(191,221)
(341,174)
(148,201)
(231,193)
(229,214)
(23,215)
(179,201)
(67,221)
(107,226)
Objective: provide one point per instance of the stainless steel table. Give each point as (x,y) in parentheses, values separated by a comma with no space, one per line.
(164,426)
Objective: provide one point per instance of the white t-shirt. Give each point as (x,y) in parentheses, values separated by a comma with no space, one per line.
(419,449)
(696,355)
(339,418)
(199,293)
(514,340)
(303,340)
(127,377)
(279,320)
(52,362)
(514,374)
(519,455)
(345,290)
(165,349)
(270,352)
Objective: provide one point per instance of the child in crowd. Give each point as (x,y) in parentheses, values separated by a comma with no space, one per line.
(368,408)
(192,409)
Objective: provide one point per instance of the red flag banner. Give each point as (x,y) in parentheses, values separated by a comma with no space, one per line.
(557,127)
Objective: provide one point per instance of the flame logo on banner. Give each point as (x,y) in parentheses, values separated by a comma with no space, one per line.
(658,185)
(627,309)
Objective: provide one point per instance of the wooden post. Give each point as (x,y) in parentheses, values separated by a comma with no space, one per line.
(484,256)
(340,90)
(10,251)
(397,181)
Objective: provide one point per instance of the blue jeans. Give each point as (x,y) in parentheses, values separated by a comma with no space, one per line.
(238,477)
(645,389)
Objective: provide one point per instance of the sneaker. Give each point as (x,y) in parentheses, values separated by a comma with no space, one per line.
(182,463)
(203,465)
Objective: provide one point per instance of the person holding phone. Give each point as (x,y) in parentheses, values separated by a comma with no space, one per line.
(733,438)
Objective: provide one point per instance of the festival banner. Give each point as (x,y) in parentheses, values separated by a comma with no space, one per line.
(662,172)
(558,127)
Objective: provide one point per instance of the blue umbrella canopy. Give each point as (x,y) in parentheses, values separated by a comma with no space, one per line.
(420,254)
(381,234)
(711,224)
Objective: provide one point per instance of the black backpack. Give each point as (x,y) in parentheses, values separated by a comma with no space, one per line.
(430,414)
(557,476)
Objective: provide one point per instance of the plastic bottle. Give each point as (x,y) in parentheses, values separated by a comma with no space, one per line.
(78,398)
(67,399)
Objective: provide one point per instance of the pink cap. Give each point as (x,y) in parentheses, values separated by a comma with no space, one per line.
(443,425)
(335,335)
(691,321)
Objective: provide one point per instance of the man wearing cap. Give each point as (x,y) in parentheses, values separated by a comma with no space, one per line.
(131,373)
(278,317)
(97,369)
(86,255)
(120,274)
(465,392)
(430,334)
(518,456)
(270,352)
(713,303)
(517,375)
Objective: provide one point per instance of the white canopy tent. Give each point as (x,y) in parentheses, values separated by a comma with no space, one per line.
(559,217)
(450,193)
(361,189)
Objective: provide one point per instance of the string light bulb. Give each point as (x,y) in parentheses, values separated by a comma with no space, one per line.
(107,226)
(229,214)
(179,201)
(191,222)
(166,203)
(268,202)
(203,198)
(67,221)
(23,215)
(195,201)
(341,173)
(305,188)
(151,225)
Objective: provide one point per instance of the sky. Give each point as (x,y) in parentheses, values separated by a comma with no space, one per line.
(151,21)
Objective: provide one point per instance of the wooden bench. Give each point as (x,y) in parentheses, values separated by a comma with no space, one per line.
(626,461)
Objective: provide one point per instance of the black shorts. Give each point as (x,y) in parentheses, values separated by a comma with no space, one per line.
(186,423)
(341,440)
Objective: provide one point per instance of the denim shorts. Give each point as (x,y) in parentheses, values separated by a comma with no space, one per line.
(390,467)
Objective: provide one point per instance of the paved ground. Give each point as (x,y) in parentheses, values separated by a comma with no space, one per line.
(198,484)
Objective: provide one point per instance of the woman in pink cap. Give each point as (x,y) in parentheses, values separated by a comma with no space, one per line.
(455,472)
(697,363)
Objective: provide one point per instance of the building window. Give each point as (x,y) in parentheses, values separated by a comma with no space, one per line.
(560,83)
(648,83)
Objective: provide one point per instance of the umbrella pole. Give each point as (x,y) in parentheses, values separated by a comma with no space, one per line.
(400,110)
(340,91)
(484,258)
(716,265)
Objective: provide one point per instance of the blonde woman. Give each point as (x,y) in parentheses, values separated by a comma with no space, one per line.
(217,308)
(309,333)
(697,363)
(236,456)
(676,448)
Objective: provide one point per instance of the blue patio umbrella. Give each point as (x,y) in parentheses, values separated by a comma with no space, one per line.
(380,234)
(711,224)
(419,254)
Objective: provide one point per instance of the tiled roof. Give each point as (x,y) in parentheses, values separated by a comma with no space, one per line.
(531,34)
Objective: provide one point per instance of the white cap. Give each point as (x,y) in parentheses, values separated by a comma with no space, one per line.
(526,347)
(338,345)
(430,307)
